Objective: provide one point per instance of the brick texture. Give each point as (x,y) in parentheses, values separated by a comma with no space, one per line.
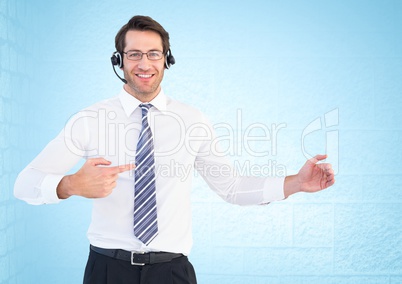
(13,54)
(289,63)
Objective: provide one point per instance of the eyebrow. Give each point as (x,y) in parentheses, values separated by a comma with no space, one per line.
(144,52)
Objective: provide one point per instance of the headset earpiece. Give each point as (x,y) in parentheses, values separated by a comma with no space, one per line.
(116,59)
(169,59)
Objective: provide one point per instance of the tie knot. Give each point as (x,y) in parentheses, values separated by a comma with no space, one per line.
(145,108)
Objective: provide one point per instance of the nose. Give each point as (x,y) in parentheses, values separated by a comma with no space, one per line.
(144,63)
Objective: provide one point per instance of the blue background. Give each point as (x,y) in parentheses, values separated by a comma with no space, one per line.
(287,62)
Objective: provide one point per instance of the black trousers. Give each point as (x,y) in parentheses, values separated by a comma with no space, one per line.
(102,269)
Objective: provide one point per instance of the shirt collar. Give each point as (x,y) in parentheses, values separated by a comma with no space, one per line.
(130,103)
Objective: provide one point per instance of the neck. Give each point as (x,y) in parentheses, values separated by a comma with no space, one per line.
(142,96)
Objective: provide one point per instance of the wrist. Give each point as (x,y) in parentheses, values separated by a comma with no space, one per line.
(64,188)
(291,185)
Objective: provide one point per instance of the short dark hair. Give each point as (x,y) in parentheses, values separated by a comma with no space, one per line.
(141,23)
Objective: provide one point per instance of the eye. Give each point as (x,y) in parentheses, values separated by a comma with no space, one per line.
(134,55)
(154,55)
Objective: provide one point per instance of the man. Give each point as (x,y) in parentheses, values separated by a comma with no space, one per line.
(141,224)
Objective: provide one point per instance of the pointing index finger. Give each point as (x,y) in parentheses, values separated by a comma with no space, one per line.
(122,168)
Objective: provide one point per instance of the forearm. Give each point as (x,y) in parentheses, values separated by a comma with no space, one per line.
(236,188)
(247,190)
(36,187)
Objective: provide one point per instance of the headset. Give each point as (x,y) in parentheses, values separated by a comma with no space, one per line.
(117,60)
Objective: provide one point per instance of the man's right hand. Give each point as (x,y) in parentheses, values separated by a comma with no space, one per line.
(93,180)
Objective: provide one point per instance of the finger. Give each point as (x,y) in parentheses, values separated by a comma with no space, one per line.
(325,167)
(121,168)
(330,182)
(330,172)
(112,185)
(320,157)
(98,162)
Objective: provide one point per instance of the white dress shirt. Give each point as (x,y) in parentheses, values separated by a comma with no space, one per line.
(183,140)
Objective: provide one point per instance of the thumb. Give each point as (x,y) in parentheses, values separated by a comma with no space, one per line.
(317,158)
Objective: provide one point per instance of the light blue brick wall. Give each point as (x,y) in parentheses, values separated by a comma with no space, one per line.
(288,63)
(15,77)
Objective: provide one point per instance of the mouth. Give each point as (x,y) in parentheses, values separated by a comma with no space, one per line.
(144,76)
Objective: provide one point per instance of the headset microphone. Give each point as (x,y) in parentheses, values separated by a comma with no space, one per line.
(122,79)
(117,60)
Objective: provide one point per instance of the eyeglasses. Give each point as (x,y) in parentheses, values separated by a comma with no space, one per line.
(136,55)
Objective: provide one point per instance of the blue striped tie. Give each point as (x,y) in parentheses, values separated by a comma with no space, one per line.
(145,220)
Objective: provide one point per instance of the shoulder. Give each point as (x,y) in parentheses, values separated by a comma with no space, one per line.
(91,113)
(104,104)
(184,110)
(110,104)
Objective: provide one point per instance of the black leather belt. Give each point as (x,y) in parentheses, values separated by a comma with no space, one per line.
(137,258)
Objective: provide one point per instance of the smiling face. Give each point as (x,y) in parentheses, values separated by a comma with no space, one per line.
(143,76)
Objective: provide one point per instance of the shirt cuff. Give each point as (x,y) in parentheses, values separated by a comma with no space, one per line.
(49,188)
(274,189)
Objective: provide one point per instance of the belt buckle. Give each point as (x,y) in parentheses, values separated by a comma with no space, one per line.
(132,258)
